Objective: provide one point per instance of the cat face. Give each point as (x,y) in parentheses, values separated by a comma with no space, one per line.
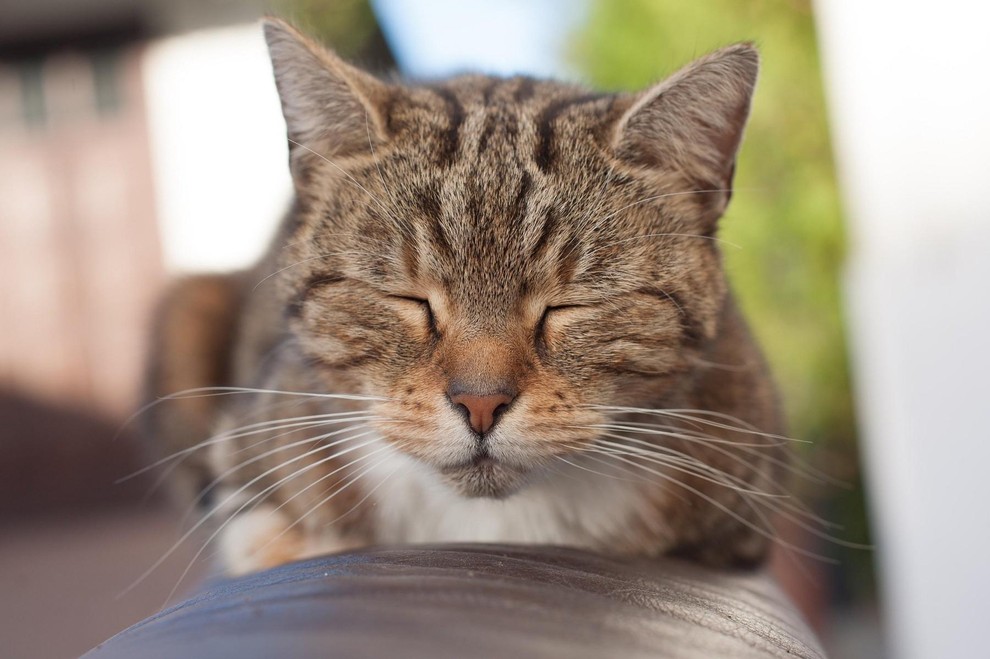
(498,258)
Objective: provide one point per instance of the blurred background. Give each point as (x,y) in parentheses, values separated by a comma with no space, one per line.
(142,139)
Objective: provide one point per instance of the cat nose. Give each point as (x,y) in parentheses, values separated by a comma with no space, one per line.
(482,410)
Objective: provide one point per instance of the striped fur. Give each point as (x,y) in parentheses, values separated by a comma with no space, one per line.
(563,242)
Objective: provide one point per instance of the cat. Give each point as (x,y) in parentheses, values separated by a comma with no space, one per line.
(496,311)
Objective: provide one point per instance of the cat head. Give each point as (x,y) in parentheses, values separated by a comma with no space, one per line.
(498,258)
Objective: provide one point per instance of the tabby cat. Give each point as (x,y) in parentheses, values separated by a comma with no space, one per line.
(495,312)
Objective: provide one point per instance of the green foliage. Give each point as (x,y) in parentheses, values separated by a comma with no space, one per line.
(784,219)
(348,26)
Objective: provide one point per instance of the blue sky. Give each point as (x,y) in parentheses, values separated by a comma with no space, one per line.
(436,38)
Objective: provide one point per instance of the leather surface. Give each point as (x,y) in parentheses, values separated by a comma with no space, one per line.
(476,601)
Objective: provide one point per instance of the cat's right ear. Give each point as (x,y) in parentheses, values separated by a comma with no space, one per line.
(330,107)
(693,122)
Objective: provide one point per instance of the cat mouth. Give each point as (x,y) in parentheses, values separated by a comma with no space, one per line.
(481,460)
(484,476)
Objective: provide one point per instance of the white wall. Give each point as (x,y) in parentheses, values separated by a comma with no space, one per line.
(218,147)
(908,89)
(217,136)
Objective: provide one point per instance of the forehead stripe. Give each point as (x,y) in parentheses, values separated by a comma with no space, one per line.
(544,127)
(450,141)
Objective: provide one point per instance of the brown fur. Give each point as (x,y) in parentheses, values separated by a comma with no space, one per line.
(195,330)
(564,243)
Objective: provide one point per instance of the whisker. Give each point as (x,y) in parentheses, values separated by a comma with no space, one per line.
(713,443)
(587,218)
(205,392)
(787,510)
(685,414)
(796,465)
(255,428)
(261,456)
(640,478)
(557,470)
(296,427)
(405,225)
(263,493)
(646,200)
(384,480)
(326,476)
(796,504)
(734,515)
(675,432)
(784,501)
(592,471)
(230,390)
(734,368)
(176,464)
(327,499)
(688,465)
(351,178)
(828,537)
(318,257)
(233,496)
(672,235)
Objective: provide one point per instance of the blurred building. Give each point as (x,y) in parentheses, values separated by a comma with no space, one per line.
(80,251)
(83,232)
(79,244)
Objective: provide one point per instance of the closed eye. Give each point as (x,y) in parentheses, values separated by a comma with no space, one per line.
(540,330)
(423,303)
(559,307)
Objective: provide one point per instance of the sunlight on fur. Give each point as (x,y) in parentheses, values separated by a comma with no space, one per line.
(496,311)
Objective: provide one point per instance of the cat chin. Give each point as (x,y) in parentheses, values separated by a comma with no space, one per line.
(484,479)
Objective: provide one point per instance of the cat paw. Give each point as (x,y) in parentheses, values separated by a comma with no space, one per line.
(259,539)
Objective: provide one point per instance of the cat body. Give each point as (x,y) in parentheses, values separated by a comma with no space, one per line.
(495,312)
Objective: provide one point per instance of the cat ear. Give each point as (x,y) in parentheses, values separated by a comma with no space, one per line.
(693,121)
(329,105)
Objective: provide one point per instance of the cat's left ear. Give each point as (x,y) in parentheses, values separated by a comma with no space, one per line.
(693,122)
(330,107)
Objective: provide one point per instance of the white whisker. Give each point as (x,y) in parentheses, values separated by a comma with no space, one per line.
(231,498)
(675,432)
(206,392)
(267,490)
(686,414)
(728,511)
(686,464)
(252,429)
(279,449)
(351,178)
(327,499)
(795,504)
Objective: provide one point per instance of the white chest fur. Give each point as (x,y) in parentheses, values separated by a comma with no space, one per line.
(575,508)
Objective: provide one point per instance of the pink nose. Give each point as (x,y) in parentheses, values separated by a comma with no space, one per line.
(482,411)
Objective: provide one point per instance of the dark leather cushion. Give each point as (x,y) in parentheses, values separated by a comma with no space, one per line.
(476,601)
